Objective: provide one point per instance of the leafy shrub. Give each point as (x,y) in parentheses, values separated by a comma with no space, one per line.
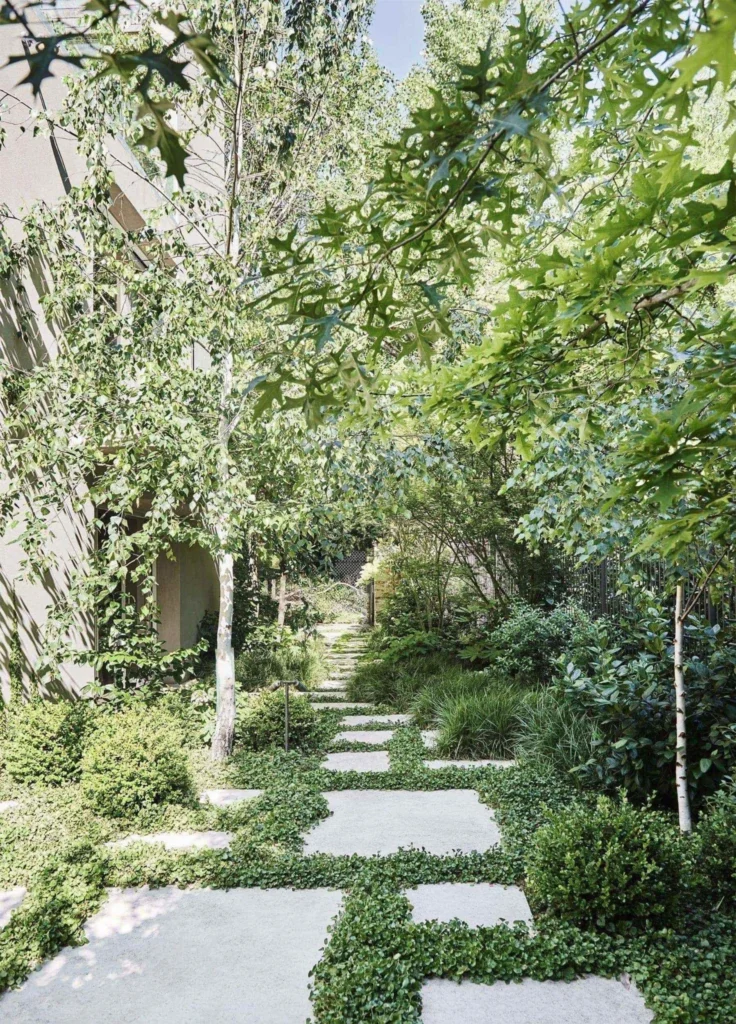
(554,734)
(482,724)
(279,656)
(263,717)
(527,644)
(614,867)
(716,846)
(43,741)
(135,759)
(632,698)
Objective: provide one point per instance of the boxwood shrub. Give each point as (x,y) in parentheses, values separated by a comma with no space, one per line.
(262,722)
(611,866)
(135,759)
(43,741)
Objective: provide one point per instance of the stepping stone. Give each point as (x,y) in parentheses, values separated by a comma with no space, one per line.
(479,905)
(332,684)
(589,1000)
(337,694)
(179,840)
(376,737)
(10,900)
(469,764)
(370,821)
(430,737)
(357,761)
(182,956)
(337,705)
(382,719)
(8,805)
(227,797)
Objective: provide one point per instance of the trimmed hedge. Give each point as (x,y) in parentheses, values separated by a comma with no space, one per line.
(44,741)
(134,760)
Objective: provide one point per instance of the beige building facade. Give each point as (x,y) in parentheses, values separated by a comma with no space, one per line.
(37,168)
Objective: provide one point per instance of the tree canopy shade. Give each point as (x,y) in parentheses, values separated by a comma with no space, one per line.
(571,150)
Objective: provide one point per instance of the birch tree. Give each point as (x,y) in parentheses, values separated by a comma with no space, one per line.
(153,403)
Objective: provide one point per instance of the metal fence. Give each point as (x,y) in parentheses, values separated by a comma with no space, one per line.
(597,588)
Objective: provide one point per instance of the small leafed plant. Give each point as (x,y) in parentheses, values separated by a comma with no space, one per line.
(612,866)
(263,719)
(135,759)
(43,741)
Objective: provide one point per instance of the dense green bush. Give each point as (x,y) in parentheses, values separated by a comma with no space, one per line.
(554,734)
(135,759)
(632,699)
(527,644)
(262,722)
(613,866)
(716,847)
(43,741)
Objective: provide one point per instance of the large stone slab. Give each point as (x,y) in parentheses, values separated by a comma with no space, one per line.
(10,900)
(370,822)
(352,720)
(588,1000)
(468,764)
(357,761)
(227,797)
(332,684)
(479,905)
(375,737)
(338,695)
(174,956)
(179,840)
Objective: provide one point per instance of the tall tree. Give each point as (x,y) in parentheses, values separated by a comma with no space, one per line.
(153,402)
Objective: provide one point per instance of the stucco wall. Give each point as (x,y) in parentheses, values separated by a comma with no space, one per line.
(26,604)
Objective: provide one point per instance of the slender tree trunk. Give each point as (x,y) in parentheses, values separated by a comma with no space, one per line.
(222,741)
(683,800)
(282,599)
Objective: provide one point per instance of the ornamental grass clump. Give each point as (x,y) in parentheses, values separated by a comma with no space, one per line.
(611,866)
(43,741)
(135,759)
(482,724)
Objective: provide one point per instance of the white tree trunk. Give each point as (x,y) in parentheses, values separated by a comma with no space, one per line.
(222,741)
(683,800)
(282,599)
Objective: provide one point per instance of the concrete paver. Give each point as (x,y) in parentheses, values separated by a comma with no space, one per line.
(376,737)
(477,904)
(357,761)
(179,840)
(175,956)
(227,797)
(370,822)
(589,1000)
(10,900)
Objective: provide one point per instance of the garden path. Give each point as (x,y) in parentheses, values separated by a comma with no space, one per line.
(188,956)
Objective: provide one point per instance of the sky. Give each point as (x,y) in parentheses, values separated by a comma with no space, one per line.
(397,31)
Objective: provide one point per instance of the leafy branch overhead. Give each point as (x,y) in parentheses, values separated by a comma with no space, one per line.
(95,41)
(570,155)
